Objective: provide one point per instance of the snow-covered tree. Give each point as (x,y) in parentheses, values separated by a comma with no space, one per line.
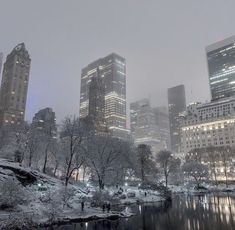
(66,195)
(103,155)
(13,140)
(168,163)
(212,157)
(226,154)
(195,170)
(11,193)
(145,164)
(73,135)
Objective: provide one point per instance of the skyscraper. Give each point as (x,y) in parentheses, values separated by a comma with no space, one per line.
(14,86)
(96,111)
(162,121)
(45,121)
(135,108)
(144,128)
(112,71)
(221,68)
(176,105)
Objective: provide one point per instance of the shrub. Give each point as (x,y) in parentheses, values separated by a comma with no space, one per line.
(12,193)
(101,197)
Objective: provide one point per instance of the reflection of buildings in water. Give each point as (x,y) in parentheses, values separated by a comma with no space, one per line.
(210,208)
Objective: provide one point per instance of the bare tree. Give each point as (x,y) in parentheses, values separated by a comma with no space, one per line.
(226,157)
(167,163)
(102,157)
(145,162)
(48,140)
(213,158)
(11,193)
(195,170)
(196,154)
(32,144)
(66,195)
(73,135)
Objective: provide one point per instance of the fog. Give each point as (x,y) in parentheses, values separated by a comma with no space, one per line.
(163,42)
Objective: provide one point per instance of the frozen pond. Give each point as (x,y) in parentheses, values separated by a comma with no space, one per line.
(215,212)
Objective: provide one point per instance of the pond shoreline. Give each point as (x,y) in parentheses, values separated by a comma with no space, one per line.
(113,215)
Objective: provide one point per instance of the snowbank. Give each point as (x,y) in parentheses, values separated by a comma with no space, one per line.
(47,201)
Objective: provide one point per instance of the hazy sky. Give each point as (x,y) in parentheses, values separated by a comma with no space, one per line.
(163,42)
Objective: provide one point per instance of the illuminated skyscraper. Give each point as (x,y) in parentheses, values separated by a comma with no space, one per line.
(221,68)
(176,105)
(112,73)
(14,86)
(96,112)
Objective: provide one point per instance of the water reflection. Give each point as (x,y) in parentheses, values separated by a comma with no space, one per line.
(215,212)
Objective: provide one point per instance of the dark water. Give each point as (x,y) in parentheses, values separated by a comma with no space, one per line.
(215,212)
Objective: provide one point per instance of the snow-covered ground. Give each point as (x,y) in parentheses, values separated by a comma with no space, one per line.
(46,200)
(132,195)
(189,188)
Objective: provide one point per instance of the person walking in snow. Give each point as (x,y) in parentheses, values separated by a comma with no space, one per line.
(108,207)
(103,207)
(82,205)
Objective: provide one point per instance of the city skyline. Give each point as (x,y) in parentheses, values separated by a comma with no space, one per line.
(59,55)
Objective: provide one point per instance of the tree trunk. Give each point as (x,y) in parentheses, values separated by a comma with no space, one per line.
(216,182)
(77,174)
(226,176)
(30,160)
(166,179)
(45,162)
(84,173)
(142,171)
(101,184)
(55,169)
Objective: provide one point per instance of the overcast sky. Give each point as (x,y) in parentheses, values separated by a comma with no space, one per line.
(163,42)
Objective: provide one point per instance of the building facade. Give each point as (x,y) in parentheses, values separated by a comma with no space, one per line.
(135,107)
(96,111)
(176,105)
(144,128)
(208,124)
(112,70)
(221,68)
(44,120)
(162,121)
(14,86)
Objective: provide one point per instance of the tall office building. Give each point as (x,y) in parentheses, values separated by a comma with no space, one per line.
(221,68)
(162,121)
(112,70)
(176,105)
(96,110)
(135,108)
(14,86)
(45,121)
(144,128)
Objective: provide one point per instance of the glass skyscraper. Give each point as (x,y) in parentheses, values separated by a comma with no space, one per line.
(221,68)
(176,105)
(112,70)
